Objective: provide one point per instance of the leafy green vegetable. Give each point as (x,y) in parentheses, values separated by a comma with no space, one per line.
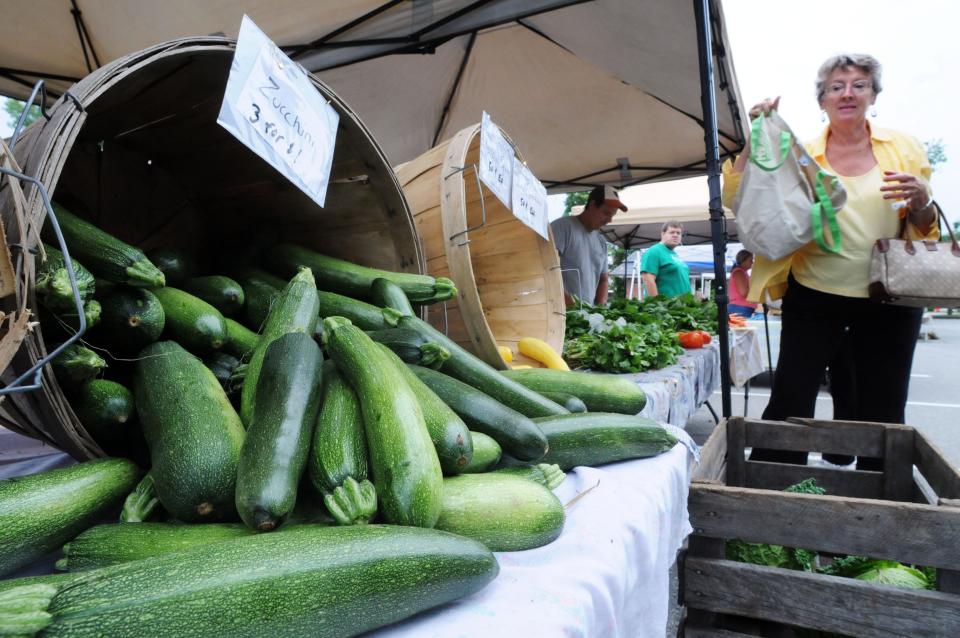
(777,555)
(629,335)
(882,572)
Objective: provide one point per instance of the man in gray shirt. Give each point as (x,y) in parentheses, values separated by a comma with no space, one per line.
(582,248)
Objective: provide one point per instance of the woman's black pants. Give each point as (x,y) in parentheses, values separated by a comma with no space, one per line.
(867,345)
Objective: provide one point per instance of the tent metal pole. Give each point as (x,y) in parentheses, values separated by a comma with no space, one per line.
(718,231)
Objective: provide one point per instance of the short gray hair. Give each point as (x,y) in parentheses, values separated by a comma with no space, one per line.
(866,63)
(670,223)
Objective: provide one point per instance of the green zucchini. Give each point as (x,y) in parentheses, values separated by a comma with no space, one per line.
(193,432)
(406,471)
(346,278)
(411,346)
(275,450)
(40,512)
(240,340)
(517,435)
(505,513)
(250,273)
(550,476)
(469,369)
(176,265)
(294,310)
(116,543)
(77,364)
(223,366)
(386,294)
(223,293)
(91,313)
(450,436)
(58,579)
(599,392)
(131,319)
(338,453)
(191,321)
(486,453)
(105,408)
(568,401)
(142,503)
(52,281)
(305,582)
(360,314)
(596,438)
(105,255)
(258,299)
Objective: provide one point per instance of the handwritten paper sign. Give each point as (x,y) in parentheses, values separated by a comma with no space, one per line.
(496,160)
(271,106)
(529,199)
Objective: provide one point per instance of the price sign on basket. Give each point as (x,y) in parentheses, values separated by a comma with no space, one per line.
(496,160)
(529,199)
(272,107)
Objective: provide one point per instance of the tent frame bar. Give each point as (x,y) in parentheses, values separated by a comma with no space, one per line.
(705,16)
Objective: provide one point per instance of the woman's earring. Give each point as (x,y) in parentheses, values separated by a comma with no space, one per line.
(873,111)
(823,116)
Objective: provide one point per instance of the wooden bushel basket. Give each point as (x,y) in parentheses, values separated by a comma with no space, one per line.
(909,513)
(147,161)
(508,276)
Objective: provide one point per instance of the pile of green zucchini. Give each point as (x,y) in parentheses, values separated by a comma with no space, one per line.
(323,462)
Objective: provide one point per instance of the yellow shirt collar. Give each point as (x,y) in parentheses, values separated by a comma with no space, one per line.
(818,147)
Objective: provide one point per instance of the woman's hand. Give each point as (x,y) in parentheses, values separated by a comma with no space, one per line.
(763,107)
(906,187)
(913,191)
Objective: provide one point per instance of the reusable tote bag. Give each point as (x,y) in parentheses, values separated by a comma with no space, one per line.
(785,199)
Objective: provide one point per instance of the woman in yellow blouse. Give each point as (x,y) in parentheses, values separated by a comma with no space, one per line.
(826,310)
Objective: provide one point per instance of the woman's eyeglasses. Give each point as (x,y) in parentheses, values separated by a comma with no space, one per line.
(860,87)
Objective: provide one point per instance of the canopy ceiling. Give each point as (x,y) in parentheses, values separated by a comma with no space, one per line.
(596,91)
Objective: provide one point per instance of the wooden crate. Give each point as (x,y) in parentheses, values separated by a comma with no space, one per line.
(910,512)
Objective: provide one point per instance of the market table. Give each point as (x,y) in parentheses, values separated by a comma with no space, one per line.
(607,575)
(676,392)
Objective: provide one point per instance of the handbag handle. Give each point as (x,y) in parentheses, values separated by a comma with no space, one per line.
(760,146)
(954,247)
(823,208)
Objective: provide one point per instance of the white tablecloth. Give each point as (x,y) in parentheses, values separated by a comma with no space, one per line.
(746,355)
(607,576)
(676,392)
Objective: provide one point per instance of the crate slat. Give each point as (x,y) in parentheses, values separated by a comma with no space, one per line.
(735,440)
(898,463)
(815,601)
(897,531)
(713,456)
(778,476)
(849,438)
(930,460)
(706,632)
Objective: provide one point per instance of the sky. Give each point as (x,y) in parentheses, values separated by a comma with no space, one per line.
(777,47)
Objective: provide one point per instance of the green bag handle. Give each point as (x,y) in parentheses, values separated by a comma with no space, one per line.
(823,207)
(760,146)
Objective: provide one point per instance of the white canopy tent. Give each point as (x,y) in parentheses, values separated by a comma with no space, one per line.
(593,91)
(650,205)
(600,91)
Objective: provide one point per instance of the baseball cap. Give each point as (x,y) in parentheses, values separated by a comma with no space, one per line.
(610,196)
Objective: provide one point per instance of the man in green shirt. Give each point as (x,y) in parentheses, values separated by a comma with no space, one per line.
(662,270)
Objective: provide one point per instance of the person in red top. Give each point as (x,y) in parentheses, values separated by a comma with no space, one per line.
(740,285)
